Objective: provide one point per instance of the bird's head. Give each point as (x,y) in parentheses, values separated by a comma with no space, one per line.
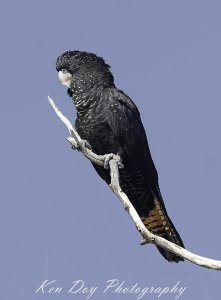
(81,71)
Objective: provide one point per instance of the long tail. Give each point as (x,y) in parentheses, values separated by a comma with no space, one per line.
(160,224)
(155,219)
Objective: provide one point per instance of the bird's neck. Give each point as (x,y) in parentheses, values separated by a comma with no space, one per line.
(86,92)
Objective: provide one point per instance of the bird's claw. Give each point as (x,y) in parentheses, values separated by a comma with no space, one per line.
(75,146)
(119,162)
(73,143)
(86,144)
(110,156)
(107,158)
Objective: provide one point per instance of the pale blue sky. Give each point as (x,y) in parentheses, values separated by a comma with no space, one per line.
(58,220)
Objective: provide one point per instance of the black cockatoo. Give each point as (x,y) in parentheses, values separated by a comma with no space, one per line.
(110,121)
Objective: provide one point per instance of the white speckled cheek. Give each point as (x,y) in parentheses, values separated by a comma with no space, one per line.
(65,78)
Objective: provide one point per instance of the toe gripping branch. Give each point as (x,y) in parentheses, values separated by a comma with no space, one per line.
(108,157)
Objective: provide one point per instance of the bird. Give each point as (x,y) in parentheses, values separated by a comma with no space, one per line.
(110,122)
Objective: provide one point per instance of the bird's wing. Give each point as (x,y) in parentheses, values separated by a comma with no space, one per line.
(124,120)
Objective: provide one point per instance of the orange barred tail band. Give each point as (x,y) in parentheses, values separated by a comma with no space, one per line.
(159,223)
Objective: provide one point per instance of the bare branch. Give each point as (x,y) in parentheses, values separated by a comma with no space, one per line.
(148,237)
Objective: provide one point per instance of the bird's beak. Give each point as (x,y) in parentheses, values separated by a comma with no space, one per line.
(65,79)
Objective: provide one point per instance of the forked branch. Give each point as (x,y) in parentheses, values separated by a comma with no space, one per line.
(148,237)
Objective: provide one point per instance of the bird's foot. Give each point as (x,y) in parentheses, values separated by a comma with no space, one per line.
(108,157)
(75,146)
(86,144)
(73,143)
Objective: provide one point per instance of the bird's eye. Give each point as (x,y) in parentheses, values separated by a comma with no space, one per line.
(64,71)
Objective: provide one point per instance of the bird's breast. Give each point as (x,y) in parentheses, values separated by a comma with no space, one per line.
(97,132)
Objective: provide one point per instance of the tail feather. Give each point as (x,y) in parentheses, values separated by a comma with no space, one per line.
(160,224)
